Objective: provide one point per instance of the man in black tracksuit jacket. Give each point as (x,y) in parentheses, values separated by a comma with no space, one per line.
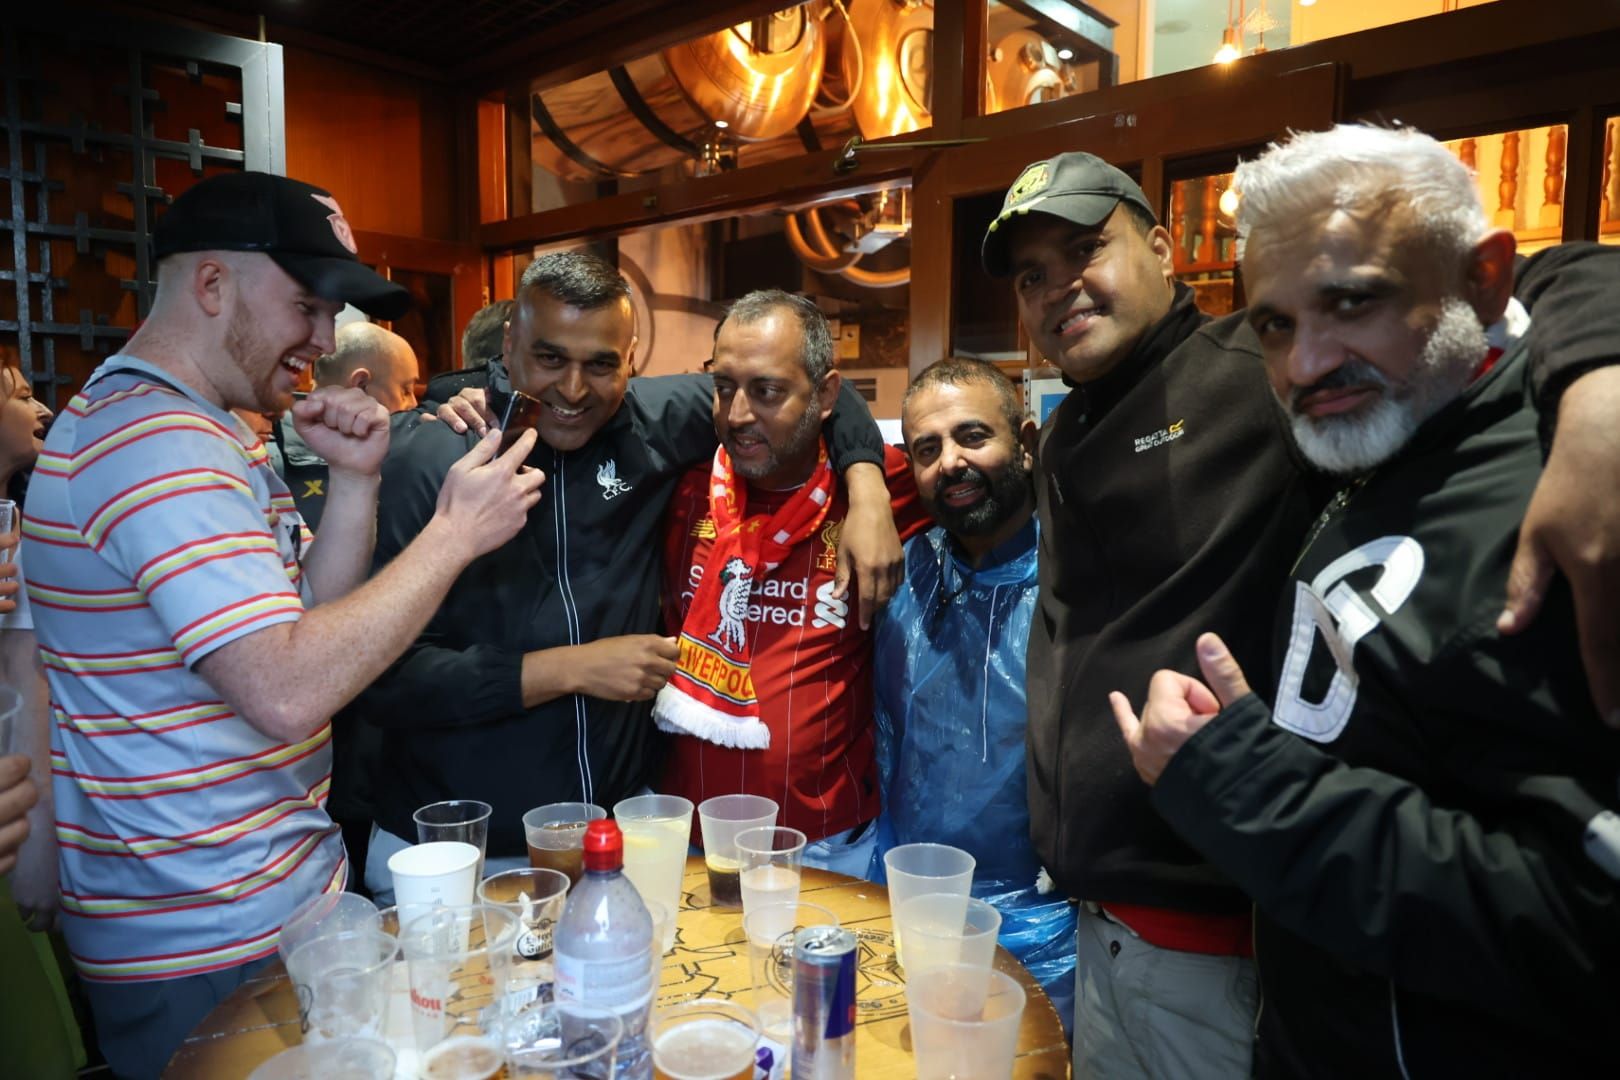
(1425,816)
(585,568)
(1170,504)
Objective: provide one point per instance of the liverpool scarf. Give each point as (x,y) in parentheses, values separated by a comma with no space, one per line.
(711,694)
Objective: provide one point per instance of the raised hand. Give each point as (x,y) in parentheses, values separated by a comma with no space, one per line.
(344,426)
(1178,706)
(485,498)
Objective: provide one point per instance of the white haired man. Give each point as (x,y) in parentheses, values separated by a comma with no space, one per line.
(1425,815)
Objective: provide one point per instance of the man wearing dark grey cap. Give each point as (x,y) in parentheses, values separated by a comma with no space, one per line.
(183,607)
(1170,502)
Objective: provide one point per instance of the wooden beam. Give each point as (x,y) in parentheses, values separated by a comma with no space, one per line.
(799,180)
(959,59)
(612,34)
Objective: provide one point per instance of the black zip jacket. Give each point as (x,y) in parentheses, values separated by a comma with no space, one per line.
(1427,825)
(584,567)
(1171,503)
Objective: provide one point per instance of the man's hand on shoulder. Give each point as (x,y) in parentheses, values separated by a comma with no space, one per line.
(1573,526)
(869,549)
(468,409)
(1178,706)
(344,426)
(486,499)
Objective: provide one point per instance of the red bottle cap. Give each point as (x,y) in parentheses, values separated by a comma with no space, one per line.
(604,846)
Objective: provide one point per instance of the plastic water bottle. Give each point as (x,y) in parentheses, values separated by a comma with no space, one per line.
(603,947)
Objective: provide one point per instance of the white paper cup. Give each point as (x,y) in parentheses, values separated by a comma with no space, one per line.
(441,874)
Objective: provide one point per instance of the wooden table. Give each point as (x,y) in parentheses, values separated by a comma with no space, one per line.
(710,958)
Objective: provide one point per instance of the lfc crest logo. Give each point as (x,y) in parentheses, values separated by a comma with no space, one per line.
(828,559)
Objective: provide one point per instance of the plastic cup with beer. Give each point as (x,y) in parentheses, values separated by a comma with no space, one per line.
(326,913)
(536,897)
(657,831)
(351,1059)
(342,983)
(556,836)
(769,862)
(920,869)
(770,929)
(565,1040)
(704,1039)
(964,1022)
(441,874)
(946,928)
(464,820)
(460,968)
(721,819)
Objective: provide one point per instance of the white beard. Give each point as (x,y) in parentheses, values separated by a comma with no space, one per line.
(1354,443)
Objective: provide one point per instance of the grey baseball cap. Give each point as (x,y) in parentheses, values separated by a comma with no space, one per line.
(1078,187)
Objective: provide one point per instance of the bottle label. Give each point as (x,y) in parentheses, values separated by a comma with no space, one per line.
(620,985)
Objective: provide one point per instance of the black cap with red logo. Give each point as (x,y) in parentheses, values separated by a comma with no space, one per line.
(298,225)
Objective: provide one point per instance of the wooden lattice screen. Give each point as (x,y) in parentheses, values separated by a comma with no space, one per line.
(102,122)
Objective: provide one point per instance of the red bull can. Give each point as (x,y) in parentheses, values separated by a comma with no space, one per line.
(823,1004)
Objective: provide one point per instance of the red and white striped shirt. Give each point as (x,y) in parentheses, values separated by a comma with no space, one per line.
(156,532)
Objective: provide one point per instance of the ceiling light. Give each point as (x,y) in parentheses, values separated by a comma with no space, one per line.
(722,124)
(1065,53)
(1307,3)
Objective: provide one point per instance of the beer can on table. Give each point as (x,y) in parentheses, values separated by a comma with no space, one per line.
(824,1004)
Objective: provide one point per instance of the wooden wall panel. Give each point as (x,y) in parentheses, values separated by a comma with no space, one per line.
(382,142)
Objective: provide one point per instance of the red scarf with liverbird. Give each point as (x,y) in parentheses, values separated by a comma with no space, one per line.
(711,694)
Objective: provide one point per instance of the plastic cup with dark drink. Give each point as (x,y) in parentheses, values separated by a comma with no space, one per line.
(522,413)
(721,819)
(556,836)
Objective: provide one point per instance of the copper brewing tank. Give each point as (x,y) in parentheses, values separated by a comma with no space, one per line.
(896,49)
(756,80)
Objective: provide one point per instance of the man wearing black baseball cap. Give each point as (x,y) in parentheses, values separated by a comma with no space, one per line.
(191,606)
(1170,502)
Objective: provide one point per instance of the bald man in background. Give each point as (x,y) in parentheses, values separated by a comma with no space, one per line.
(375,360)
(366,357)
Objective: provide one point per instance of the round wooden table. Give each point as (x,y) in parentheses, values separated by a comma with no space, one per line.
(710,958)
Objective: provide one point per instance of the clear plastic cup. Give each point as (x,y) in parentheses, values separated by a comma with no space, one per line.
(657,832)
(771,860)
(704,1039)
(460,969)
(566,1039)
(662,917)
(920,869)
(556,836)
(465,821)
(342,983)
(964,1022)
(770,929)
(945,928)
(720,819)
(536,897)
(326,913)
(337,1059)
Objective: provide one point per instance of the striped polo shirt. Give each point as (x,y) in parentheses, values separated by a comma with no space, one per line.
(157,532)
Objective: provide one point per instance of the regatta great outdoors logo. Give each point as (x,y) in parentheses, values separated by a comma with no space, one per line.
(1162,436)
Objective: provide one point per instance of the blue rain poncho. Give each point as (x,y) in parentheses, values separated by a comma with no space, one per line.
(948,665)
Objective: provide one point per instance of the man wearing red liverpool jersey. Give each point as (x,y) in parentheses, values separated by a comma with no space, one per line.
(773,695)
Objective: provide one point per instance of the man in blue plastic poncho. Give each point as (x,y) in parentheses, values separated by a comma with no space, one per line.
(948,659)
